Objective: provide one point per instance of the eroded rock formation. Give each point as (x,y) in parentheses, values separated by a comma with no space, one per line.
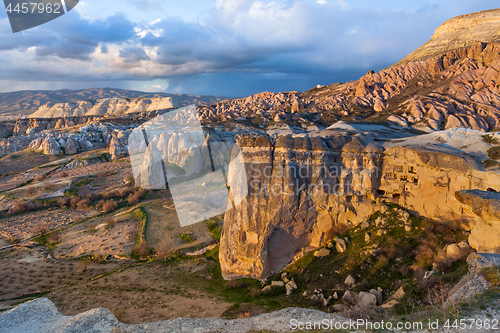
(303,191)
(105,107)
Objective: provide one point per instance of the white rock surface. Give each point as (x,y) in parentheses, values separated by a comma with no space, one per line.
(41,316)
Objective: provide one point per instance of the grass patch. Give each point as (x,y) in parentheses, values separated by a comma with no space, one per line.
(490,164)
(187,237)
(393,257)
(494,153)
(141,248)
(214,228)
(490,139)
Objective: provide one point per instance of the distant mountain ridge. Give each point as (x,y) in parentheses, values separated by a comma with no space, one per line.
(107,107)
(458,32)
(27,102)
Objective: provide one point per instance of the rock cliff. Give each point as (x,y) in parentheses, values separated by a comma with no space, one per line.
(303,191)
(485,205)
(460,32)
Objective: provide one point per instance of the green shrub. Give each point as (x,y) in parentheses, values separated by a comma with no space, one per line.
(187,237)
(490,139)
(494,153)
(490,164)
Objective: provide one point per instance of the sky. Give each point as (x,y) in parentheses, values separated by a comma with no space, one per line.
(230,48)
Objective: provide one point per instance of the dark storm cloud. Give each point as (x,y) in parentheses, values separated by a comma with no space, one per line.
(74,38)
(240,47)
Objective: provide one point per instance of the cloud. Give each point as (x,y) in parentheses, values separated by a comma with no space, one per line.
(240,46)
(74,38)
(133,54)
(147,5)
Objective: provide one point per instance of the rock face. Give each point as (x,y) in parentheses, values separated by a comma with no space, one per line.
(293,182)
(37,125)
(105,107)
(473,283)
(303,191)
(118,145)
(459,32)
(50,146)
(485,235)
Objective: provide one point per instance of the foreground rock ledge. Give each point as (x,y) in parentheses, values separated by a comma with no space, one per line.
(42,316)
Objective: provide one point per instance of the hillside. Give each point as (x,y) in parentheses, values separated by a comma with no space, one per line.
(27,102)
(451,81)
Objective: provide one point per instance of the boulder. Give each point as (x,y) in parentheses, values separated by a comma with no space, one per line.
(267,289)
(350,298)
(322,253)
(35,144)
(368,237)
(457,250)
(350,280)
(338,308)
(390,304)
(365,224)
(378,295)
(366,300)
(341,245)
(398,295)
(72,146)
(50,146)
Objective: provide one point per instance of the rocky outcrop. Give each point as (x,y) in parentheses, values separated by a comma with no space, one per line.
(118,145)
(60,143)
(37,125)
(302,191)
(474,282)
(459,32)
(105,107)
(50,146)
(6,129)
(72,146)
(485,235)
(12,145)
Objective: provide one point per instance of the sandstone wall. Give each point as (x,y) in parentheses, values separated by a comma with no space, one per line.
(304,191)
